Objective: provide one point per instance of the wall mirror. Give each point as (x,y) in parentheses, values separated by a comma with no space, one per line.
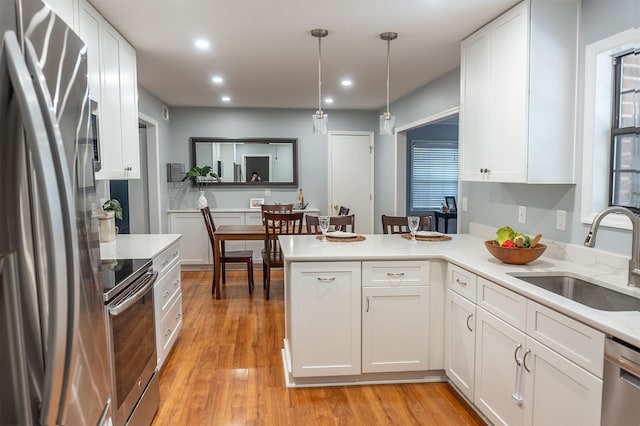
(248,161)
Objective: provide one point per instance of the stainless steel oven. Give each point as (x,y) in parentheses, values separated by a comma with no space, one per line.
(131,340)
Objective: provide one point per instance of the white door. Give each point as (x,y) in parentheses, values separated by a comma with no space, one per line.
(351,176)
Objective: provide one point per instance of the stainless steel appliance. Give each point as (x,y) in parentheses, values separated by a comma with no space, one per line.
(128,296)
(54,367)
(621,384)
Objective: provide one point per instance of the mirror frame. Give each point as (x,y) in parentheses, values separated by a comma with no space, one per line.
(293,141)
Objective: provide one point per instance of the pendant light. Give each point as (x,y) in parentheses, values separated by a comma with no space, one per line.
(387,120)
(320,119)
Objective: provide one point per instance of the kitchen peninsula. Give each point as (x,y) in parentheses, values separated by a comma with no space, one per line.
(388,310)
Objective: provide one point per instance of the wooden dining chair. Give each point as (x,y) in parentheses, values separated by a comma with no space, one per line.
(399,224)
(276,224)
(275,208)
(236,256)
(343,211)
(339,223)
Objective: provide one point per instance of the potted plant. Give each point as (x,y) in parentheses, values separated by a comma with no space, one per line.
(201,176)
(111,209)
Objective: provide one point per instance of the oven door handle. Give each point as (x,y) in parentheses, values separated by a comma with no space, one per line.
(133,299)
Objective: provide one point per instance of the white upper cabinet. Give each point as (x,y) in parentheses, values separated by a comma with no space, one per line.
(65,9)
(517,95)
(113,85)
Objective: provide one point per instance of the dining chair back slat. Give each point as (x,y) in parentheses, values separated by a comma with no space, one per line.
(336,223)
(276,224)
(400,224)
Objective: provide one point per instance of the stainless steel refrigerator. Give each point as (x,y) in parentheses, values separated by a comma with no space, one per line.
(53,350)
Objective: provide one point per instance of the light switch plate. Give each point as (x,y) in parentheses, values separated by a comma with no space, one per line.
(522,214)
(267,192)
(561,219)
(464,204)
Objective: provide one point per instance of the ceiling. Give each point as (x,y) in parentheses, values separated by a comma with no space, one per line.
(268,59)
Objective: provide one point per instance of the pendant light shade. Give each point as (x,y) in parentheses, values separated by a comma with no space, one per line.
(388,120)
(320,118)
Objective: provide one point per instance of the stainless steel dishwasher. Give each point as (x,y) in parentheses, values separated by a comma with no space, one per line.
(621,392)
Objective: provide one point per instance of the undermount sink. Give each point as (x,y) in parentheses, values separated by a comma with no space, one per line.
(584,292)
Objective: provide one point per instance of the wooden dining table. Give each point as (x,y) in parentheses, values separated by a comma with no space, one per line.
(232,233)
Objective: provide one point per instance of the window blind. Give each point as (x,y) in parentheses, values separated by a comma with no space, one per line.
(433,174)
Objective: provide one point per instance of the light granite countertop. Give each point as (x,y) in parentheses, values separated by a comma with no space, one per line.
(468,252)
(137,246)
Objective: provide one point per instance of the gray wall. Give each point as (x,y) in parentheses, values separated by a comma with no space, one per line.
(287,123)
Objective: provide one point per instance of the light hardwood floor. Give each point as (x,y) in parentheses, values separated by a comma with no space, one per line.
(226,369)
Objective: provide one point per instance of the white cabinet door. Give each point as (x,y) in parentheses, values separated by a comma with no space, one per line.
(90,23)
(129,111)
(497,347)
(195,247)
(459,342)
(558,392)
(475,99)
(509,108)
(395,329)
(324,335)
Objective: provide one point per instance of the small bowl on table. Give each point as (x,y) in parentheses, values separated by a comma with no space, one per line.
(515,255)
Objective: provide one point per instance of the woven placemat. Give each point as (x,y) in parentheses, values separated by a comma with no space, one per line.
(432,239)
(343,240)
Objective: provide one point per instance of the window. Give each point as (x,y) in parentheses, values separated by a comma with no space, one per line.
(624,186)
(598,123)
(432,174)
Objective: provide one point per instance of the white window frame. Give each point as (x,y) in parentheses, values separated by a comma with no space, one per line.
(598,99)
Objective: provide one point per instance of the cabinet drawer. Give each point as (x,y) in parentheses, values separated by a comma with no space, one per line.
(505,304)
(394,273)
(570,338)
(166,288)
(462,282)
(169,329)
(163,261)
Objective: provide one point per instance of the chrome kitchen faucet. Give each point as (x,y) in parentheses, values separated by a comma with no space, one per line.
(634,262)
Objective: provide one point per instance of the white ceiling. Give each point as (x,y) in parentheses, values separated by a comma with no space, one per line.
(268,58)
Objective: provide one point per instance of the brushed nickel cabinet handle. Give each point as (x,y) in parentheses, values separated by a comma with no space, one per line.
(468,318)
(515,355)
(462,283)
(326,279)
(524,360)
(395,274)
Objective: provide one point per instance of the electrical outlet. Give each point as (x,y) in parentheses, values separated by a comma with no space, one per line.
(561,219)
(464,204)
(267,192)
(522,214)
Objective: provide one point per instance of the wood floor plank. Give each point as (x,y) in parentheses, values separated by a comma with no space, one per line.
(226,369)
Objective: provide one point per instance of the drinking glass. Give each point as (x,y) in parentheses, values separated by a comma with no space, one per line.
(413,222)
(323,221)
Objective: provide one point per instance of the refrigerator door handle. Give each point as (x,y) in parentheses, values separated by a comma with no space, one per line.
(67,203)
(37,140)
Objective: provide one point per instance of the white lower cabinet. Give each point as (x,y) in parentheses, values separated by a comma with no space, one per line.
(324,331)
(459,337)
(195,247)
(167,300)
(395,329)
(532,365)
(499,347)
(557,391)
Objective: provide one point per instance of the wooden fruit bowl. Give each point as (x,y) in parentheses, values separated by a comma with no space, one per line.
(514,255)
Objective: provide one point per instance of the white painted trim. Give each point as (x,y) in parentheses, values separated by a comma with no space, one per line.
(400,148)
(153,171)
(597,125)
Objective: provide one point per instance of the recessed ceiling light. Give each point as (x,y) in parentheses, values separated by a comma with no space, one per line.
(346,82)
(217,79)
(328,100)
(202,44)
(226,99)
